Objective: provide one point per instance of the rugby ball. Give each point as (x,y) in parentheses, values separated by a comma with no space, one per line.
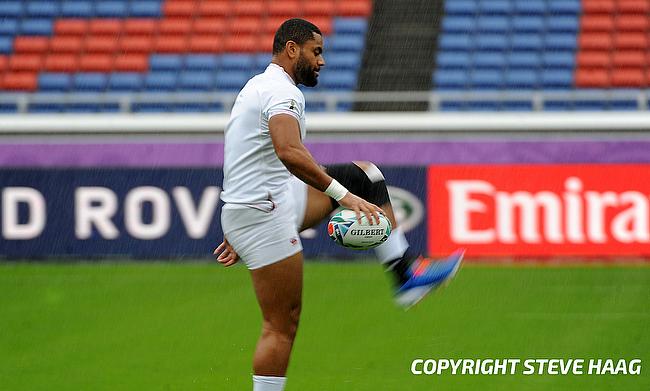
(345,230)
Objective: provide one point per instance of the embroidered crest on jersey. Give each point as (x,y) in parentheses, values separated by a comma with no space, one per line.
(292,105)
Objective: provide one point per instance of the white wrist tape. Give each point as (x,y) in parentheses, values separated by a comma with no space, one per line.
(336,190)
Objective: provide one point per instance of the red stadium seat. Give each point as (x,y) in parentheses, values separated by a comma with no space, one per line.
(629,77)
(20,81)
(70,27)
(244,25)
(101,44)
(266,43)
(318,8)
(594,78)
(598,6)
(31,44)
(136,44)
(179,8)
(271,24)
(638,23)
(323,23)
(66,44)
(354,8)
(206,44)
(593,59)
(175,26)
(26,62)
(134,62)
(286,9)
(4,63)
(633,6)
(170,44)
(629,59)
(61,63)
(96,63)
(249,8)
(140,26)
(215,8)
(211,25)
(631,41)
(105,26)
(596,41)
(243,43)
(597,23)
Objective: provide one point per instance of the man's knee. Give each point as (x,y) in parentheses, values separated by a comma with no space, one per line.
(284,325)
(371,170)
(363,179)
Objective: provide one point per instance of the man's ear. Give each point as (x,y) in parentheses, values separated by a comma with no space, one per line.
(293,49)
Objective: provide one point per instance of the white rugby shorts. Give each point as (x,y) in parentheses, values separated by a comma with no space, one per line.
(263,237)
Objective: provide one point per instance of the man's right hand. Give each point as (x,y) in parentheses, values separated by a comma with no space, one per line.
(359,205)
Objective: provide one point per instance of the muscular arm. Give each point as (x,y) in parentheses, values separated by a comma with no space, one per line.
(285,134)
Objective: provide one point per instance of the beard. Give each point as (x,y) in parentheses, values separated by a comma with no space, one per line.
(305,74)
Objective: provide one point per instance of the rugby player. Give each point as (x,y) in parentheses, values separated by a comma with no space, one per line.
(273,189)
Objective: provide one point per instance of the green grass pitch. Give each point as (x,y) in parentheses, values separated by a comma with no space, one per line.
(173,326)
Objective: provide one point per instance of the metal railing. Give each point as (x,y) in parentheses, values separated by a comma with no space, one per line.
(330,101)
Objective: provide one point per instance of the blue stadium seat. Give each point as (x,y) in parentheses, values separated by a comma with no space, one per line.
(346,43)
(92,108)
(8,108)
(452,106)
(90,82)
(197,107)
(530,7)
(552,59)
(524,59)
(196,81)
(488,59)
(561,41)
(9,27)
(492,24)
(623,105)
(54,82)
(558,105)
(6,45)
(528,24)
(461,7)
(36,27)
(11,9)
(562,24)
(486,79)
(350,25)
(160,81)
(564,7)
(45,108)
(231,80)
(151,107)
(554,79)
(523,105)
(340,80)
(481,105)
(453,60)
(521,79)
(589,105)
(145,9)
(495,7)
(492,42)
(458,24)
(130,81)
(455,42)
(450,79)
(82,9)
(166,62)
(349,61)
(45,9)
(527,42)
(201,62)
(114,9)
(240,62)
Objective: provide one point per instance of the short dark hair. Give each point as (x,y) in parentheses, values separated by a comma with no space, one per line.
(296,30)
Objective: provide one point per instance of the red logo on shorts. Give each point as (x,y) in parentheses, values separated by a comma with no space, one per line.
(293,241)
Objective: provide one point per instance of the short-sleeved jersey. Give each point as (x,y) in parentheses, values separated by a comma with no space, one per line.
(253,173)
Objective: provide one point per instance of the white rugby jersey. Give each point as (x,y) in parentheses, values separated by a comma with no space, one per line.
(253,174)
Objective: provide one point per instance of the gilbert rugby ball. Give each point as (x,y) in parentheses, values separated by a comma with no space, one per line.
(345,230)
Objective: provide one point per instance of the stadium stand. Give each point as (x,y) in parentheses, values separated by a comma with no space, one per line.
(167,46)
(543,45)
